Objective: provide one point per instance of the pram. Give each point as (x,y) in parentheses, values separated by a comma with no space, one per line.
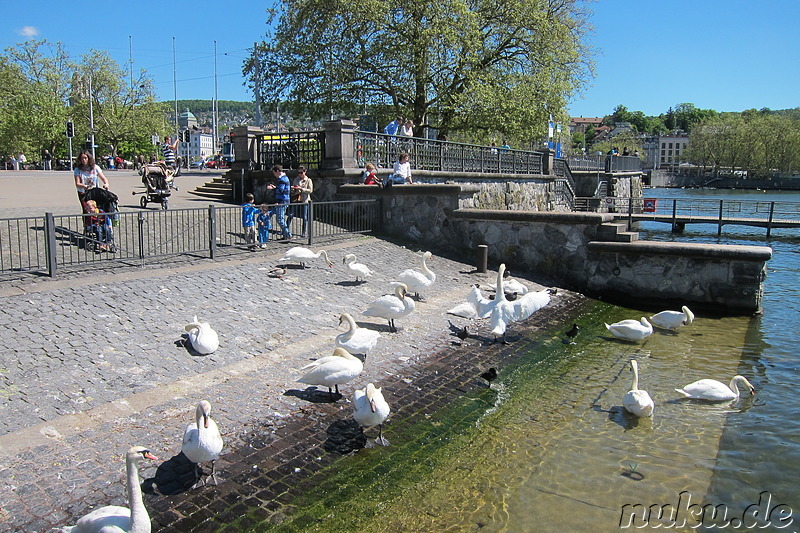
(99,238)
(157,178)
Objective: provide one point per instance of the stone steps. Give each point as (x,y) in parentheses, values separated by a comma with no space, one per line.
(217,189)
(616,232)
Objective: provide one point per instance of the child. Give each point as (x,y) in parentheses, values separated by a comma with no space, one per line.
(370,178)
(96,223)
(248,220)
(264,226)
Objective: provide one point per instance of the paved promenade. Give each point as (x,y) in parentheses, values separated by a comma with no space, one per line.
(93,363)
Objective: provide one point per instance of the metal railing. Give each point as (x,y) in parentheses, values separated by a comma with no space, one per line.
(427,154)
(304,148)
(45,244)
(605,163)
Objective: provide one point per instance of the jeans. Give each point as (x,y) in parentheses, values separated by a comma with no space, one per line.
(298,210)
(280,213)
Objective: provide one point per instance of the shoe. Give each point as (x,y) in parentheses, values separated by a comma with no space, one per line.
(302,235)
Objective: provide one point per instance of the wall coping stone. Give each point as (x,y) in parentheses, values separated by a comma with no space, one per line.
(716,251)
(406,190)
(553,217)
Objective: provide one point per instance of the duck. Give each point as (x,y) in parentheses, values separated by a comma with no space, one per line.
(356,339)
(277,272)
(392,306)
(637,401)
(716,391)
(490,375)
(370,409)
(202,441)
(673,319)
(476,306)
(115,518)
(631,330)
(301,255)
(359,269)
(415,280)
(572,333)
(331,371)
(202,337)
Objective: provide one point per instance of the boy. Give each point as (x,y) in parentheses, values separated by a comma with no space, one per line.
(249,221)
(264,225)
(97,224)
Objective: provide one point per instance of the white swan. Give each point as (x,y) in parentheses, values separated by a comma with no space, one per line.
(359,269)
(502,310)
(476,306)
(673,319)
(392,306)
(330,371)
(711,389)
(201,440)
(529,303)
(301,255)
(631,330)
(415,280)
(356,339)
(370,409)
(117,519)
(636,401)
(203,338)
(512,286)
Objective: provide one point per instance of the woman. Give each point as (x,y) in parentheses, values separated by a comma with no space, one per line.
(302,187)
(402,170)
(87,175)
(407,129)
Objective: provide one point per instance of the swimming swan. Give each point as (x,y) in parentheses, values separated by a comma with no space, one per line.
(203,338)
(636,401)
(370,409)
(330,371)
(631,330)
(673,319)
(359,269)
(301,255)
(356,339)
(201,440)
(117,519)
(716,391)
(415,280)
(392,306)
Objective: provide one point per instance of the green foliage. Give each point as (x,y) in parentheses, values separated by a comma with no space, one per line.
(477,66)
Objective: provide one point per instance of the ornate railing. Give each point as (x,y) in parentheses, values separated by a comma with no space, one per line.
(305,148)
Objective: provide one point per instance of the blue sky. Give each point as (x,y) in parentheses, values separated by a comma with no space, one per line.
(727,55)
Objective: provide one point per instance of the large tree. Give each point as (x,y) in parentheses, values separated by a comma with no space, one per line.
(459,65)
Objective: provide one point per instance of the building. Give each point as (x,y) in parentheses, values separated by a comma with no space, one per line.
(199,145)
(581,123)
(671,148)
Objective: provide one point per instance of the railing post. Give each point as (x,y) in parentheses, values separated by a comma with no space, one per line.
(719,222)
(310,224)
(212,232)
(630,212)
(50,243)
(674,213)
(771,212)
(141,236)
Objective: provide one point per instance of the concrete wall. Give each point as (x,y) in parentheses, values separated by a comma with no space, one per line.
(566,249)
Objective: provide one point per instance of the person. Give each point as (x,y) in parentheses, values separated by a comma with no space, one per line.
(505,147)
(249,211)
(97,225)
(87,176)
(493,147)
(169,151)
(264,221)
(402,171)
(14,163)
(392,127)
(282,191)
(48,160)
(119,163)
(22,161)
(370,177)
(407,129)
(302,187)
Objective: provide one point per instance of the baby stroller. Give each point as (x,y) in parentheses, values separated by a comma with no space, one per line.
(157,179)
(98,229)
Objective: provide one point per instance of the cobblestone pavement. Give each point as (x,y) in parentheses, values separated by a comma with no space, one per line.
(93,364)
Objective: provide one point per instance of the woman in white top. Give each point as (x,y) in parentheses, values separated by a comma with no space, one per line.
(302,187)
(87,175)
(407,129)
(402,169)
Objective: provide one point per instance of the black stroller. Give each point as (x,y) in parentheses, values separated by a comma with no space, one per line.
(101,239)
(157,179)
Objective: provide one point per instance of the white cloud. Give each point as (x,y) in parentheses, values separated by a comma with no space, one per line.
(29,31)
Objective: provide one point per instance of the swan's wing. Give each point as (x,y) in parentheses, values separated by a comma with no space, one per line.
(384,304)
(529,303)
(668,319)
(414,279)
(465,310)
(108,518)
(190,435)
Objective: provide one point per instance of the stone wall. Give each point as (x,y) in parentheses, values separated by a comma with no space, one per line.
(565,248)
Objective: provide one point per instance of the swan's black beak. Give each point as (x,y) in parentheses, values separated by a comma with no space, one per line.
(752,392)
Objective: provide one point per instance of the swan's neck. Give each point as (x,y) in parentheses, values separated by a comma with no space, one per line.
(425,268)
(735,386)
(499,293)
(324,254)
(635,382)
(352,323)
(140,520)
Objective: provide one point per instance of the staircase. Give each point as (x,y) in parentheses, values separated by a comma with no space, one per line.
(219,189)
(615,232)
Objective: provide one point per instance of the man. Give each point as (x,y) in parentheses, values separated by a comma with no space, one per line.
(47,158)
(282,192)
(168,151)
(392,127)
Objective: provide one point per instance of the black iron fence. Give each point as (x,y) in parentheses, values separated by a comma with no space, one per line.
(45,244)
(605,163)
(303,148)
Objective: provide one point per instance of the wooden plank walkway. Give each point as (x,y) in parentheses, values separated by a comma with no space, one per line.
(697,219)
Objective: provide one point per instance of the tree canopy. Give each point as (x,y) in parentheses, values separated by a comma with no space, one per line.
(458,65)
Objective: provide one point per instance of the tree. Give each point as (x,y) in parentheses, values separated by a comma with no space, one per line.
(460,65)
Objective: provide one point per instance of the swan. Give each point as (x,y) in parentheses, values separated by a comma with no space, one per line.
(415,280)
(330,371)
(359,269)
(301,255)
(392,306)
(711,389)
(356,339)
(370,409)
(502,310)
(636,401)
(203,339)
(673,319)
(631,330)
(117,519)
(476,306)
(529,303)
(202,441)
(511,286)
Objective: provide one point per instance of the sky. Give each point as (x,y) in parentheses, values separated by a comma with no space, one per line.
(726,55)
